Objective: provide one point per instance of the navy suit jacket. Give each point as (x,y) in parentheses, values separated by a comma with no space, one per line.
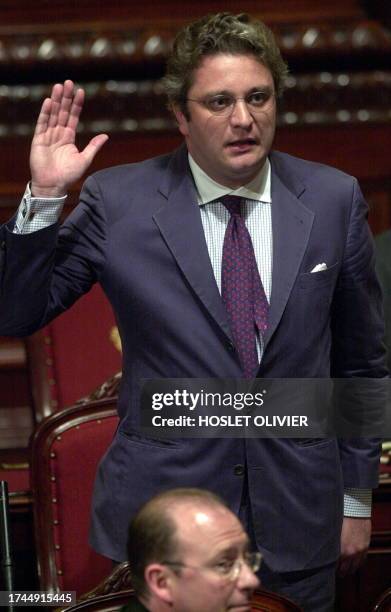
(383,267)
(137,230)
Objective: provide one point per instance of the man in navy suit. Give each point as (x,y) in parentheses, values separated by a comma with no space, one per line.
(152,234)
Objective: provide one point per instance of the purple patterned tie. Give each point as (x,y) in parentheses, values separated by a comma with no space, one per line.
(241,288)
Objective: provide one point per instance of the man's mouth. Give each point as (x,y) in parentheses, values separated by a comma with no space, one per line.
(242,144)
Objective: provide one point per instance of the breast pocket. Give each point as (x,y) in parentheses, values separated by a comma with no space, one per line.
(314,280)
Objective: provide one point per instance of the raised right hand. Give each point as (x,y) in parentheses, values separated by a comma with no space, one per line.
(55,161)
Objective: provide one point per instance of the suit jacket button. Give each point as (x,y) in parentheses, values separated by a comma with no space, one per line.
(231,346)
(239,470)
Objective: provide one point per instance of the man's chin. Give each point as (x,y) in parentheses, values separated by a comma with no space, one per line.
(243,172)
(239,607)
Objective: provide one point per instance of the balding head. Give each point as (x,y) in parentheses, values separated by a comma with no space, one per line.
(187,552)
(153,532)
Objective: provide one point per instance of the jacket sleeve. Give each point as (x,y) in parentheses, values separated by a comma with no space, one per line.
(357,336)
(44,272)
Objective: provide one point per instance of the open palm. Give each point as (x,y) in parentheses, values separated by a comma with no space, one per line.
(55,161)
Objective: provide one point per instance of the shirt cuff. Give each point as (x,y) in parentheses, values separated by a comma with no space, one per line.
(37,213)
(358,503)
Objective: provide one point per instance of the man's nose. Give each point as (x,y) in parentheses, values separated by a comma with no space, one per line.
(247,579)
(241,115)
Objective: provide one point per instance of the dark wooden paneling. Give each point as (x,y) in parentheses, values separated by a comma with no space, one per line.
(48,11)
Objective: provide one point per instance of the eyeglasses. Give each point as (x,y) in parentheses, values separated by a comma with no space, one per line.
(227,568)
(223,104)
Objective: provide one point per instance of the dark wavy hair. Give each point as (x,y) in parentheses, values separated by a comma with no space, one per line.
(220,33)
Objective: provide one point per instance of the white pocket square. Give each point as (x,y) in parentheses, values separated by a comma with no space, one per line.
(319,268)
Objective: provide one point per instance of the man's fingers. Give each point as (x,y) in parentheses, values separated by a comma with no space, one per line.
(93,147)
(66,102)
(62,108)
(343,567)
(62,98)
(350,564)
(55,98)
(43,117)
(75,109)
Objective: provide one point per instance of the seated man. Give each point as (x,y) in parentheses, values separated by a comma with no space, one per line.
(188,552)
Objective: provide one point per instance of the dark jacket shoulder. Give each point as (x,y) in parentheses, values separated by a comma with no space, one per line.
(134,605)
(293,168)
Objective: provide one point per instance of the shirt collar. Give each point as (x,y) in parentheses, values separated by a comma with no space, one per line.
(209,190)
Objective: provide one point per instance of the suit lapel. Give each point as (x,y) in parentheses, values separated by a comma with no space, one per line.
(291,223)
(179,222)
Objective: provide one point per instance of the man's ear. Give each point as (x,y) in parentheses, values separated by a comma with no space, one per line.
(183,122)
(159,582)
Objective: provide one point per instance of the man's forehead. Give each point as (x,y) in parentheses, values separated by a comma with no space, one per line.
(213,526)
(228,68)
(221,57)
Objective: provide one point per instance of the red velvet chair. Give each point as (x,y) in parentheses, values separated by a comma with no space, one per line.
(65,451)
(66,360)
(63,362)
(73,354)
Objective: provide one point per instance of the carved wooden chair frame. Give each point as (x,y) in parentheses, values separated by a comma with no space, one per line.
(98,406)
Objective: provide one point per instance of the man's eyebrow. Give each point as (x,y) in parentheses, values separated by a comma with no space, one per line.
(234,548)
(227,92)
(221,92)
(261,88)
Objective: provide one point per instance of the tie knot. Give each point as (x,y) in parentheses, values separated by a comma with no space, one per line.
(232,204)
